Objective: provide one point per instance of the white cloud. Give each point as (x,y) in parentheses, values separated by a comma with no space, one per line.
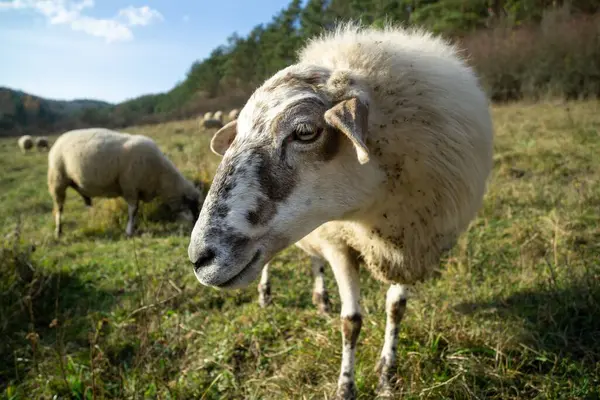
(140,16)
(69,12)
(111,30)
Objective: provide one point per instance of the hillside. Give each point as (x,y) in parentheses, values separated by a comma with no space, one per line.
(512,315)
(22,113)
(521,49)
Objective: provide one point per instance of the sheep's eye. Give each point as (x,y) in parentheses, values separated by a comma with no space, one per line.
(306,133)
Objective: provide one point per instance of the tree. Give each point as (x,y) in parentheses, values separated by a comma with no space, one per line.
(314,18)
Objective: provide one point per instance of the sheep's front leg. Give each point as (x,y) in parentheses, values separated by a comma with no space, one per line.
(132,208)
(395,305)
(264,288)
(320,298)
(345,270)
(58,196)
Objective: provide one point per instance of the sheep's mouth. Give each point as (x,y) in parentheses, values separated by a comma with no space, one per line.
(239,279)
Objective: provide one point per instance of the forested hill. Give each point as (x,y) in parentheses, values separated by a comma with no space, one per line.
(24,113)
(521,48)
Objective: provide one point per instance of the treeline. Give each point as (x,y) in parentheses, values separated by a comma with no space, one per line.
(22,113)
(520,48)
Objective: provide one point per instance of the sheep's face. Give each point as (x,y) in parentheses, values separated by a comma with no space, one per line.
(294,159)
(186,202)
(191,201)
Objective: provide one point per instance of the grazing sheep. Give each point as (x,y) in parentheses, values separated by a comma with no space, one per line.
(212,123)
(41,143)
(208,115)
(376,145)
(25,143)
(218,115)
(233,114)
(98,162)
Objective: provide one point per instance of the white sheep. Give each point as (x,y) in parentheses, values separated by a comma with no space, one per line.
(208,115)
(41,142)
(376,144)
(25,143)
(233,114)
(99,162)
(212,123)
(218,115)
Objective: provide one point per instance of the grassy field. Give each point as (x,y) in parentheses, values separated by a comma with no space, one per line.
(515,313)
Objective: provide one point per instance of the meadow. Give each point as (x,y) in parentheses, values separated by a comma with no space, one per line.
(513,314)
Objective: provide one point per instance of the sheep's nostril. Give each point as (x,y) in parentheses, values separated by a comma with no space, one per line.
(204,259)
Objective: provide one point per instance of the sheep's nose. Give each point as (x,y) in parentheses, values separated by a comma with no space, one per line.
(202,258)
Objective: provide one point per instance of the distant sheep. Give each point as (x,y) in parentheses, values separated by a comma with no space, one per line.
(25,143)
(98,162)
(208,115)
(41,142)
(376,146)
(218,115)
(233,114)
(212,123)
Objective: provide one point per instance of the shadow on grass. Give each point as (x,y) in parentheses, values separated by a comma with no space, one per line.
(39,309)
(562,321)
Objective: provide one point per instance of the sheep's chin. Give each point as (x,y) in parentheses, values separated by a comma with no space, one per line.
(247,275)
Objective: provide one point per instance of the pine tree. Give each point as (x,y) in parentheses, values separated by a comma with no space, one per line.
(314,19)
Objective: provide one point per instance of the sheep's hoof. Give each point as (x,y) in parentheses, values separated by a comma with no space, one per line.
(321,301)
(346,391)
(386,381)
(264,295)
(384,389)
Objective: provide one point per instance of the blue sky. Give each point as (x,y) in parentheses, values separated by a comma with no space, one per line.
(114,50)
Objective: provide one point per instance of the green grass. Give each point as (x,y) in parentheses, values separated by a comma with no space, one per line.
(514,314)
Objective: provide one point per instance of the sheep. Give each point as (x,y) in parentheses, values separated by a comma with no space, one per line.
(98,162)
(233,114)
(41,143)
(376,145)
(208,115)
(218,115)
(212,123)
(25,143)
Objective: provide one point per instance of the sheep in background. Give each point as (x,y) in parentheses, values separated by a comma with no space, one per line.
(376,145)
(218,115)
(41,143)
(208,115)
(99,162)
(233,114)
(25,143)
(212,123)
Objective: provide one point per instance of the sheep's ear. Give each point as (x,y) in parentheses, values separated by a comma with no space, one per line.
(223,137)
(351,117)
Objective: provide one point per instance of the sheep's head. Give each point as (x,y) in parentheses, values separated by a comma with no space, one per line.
(192,199)
(186,201)
(295,158)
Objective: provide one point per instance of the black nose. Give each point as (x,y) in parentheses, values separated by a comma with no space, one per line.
(204,259)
